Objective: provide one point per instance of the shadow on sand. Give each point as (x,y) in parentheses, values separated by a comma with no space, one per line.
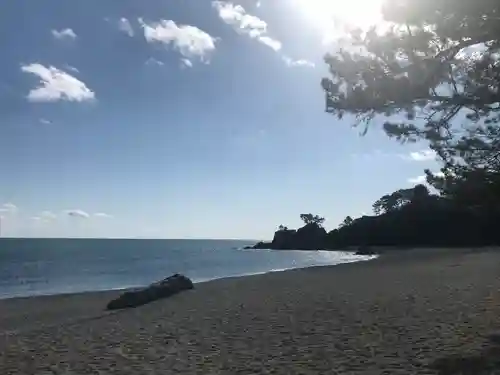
(486,362)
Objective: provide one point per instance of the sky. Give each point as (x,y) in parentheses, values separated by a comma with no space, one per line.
(180,119)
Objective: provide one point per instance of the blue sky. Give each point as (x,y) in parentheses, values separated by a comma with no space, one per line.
(177,119)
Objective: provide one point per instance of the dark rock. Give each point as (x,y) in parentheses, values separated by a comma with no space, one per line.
(283,239)
(161,289)
(262,246)
(310,237)
(365,250)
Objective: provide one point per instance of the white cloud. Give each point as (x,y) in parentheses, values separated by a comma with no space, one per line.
(103,215)
(44,217)
(236,16)
(56,85)
(418,180)
(423,178)
(82,214)
(270,42)
(190,41)
(423,155)
(8,208)
(48,215)
(71,68)
(45,121)
(244,23)
(186,63)
(78,214)
(293,63)
(125,26)
(65,34)
(152,62)
(256,28)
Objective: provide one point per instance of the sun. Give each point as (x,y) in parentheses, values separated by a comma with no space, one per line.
(325,14)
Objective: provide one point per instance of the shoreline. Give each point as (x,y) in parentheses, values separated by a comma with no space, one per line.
(386,254)
(195,281)
(409,255)
(400,313)
(11,306)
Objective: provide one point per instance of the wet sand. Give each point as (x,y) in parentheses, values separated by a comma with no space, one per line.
(413,312)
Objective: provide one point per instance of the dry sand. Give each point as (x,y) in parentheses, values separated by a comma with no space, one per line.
(413,313)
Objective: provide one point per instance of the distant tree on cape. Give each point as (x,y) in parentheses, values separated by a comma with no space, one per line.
(347,221)
(312,219)
(400,198)
(391,202)
(434,73)
(282,228)
(419,193)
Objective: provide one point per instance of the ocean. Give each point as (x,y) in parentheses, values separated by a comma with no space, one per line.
(30,267)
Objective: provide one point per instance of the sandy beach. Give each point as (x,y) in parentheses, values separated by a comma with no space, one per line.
(417,312)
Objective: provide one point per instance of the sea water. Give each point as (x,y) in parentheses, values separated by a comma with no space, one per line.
(31,267)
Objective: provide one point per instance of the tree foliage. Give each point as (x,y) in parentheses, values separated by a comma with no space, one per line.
(347,221)
(433,70)
(473,188)
(312,219)
(400,198)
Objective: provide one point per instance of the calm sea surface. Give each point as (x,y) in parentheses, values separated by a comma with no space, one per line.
(53,266)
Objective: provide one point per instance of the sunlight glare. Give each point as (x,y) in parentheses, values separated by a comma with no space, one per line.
(324,14)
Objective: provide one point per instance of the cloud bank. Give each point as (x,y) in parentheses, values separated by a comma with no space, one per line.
(8,208)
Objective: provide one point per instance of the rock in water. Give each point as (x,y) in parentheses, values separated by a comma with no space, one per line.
(365,250)
(161,289)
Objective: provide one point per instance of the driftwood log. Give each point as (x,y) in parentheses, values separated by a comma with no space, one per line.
(161,289)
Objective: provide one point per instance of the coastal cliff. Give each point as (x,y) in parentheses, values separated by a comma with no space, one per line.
(310,237)
(432,223)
